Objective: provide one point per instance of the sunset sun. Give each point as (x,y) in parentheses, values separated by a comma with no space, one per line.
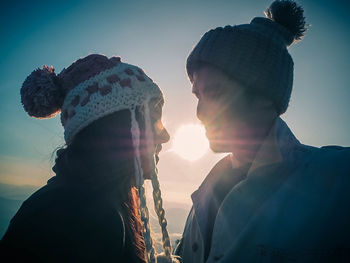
(190,142)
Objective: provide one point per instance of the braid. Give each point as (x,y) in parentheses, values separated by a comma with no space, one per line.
(158,206)
(146,231)
(157,198)
(135,131)
(158,202)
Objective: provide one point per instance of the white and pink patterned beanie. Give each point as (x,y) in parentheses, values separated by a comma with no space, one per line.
(89,89)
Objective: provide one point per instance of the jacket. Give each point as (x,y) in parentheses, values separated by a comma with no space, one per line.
(290,208)
(67,222)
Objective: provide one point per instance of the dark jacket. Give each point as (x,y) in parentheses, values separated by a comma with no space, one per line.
(67,222)
(292,209)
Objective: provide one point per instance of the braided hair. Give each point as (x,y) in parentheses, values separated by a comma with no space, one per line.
(158,202)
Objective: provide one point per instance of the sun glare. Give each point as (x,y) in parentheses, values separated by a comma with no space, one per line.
(190,142)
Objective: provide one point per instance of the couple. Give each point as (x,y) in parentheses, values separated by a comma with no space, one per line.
(271,199)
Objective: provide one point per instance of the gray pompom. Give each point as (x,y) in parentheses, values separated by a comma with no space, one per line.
(288,14)
(41,94)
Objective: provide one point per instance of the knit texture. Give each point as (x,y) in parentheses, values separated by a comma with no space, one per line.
(122,87)
(253,54)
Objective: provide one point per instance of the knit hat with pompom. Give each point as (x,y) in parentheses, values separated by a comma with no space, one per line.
(92,87)
(256,54)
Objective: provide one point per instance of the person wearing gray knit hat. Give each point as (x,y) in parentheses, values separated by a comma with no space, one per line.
(271,198)
(255,54)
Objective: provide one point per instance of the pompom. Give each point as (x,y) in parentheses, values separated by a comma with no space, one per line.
(41,94)
(288,14)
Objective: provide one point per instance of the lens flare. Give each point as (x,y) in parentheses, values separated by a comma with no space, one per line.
(190,142)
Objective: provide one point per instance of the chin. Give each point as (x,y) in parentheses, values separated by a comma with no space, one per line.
(217,147)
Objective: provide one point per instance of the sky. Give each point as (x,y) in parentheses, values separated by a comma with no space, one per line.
(158,36)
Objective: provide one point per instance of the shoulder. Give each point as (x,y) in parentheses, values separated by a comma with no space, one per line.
(325,171)
(332,158)
(222,166)
(39,202)
(99,238)
(56,217)
(336,153)
(28,225)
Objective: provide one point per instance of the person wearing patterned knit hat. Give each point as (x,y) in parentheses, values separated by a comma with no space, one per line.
(94,209)
(272,199)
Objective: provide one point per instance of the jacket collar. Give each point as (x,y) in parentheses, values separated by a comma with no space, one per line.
(275,148)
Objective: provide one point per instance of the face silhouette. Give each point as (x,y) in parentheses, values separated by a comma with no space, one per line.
(222,108)
(149,155)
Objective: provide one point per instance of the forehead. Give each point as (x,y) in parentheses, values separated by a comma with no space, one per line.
(156,105)
(157,102)
(205,73)
(207,76)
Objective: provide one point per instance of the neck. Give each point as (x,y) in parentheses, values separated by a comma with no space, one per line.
(249,141)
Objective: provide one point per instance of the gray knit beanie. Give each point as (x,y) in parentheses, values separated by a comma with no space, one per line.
(256,54)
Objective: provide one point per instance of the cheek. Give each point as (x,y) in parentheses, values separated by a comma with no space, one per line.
(204,108)
(208,111)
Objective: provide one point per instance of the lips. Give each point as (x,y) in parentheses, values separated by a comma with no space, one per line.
(211,131)
(157,151)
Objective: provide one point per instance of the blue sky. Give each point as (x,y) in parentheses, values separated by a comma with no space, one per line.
(158,36)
